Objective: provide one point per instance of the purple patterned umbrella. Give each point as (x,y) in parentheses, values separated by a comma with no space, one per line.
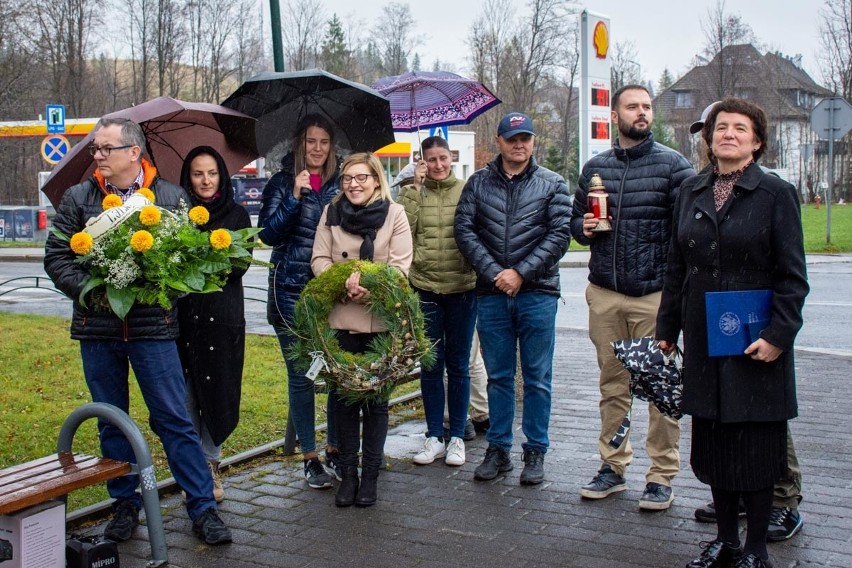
(422,99)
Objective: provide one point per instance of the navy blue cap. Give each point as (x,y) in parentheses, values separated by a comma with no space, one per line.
(515,123)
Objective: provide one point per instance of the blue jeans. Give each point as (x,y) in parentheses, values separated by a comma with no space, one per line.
(450,320)
(300,389)
(528,321)
(160,377)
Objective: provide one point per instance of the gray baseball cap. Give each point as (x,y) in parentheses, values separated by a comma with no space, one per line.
(699,124)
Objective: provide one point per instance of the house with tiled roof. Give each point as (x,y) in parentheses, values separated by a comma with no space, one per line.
(775,82)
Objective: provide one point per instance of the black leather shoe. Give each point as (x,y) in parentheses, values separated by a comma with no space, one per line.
(753,561)
(348,487)
(707,513)
(533,472)
(717,554)
(496,461)
(368,490)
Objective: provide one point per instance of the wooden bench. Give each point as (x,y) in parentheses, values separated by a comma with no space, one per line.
(40,480)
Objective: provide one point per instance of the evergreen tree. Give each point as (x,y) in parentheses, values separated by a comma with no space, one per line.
(666,80)
(415,64)
(554,161)
(662,132)
(335,56)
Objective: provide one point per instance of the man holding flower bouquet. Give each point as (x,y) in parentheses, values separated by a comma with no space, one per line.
(144,337)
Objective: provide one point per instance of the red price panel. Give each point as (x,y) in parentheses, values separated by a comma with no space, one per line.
(600,131)
(600,97)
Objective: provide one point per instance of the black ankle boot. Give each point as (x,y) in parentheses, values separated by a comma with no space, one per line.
(367,492)
(348,488)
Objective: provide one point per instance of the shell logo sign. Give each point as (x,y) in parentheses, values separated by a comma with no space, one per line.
(600,39)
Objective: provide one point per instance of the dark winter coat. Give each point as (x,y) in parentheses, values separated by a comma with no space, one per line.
(213,326)
(289,226)
(642,184)
(519,223)
(80,203)
(754,242)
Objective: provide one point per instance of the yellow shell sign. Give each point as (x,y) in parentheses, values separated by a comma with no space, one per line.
(600,39)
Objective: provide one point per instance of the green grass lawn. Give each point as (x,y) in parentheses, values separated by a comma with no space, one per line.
(41,382)
(814,227)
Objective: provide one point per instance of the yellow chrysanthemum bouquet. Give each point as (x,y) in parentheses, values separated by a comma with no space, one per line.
(138,252)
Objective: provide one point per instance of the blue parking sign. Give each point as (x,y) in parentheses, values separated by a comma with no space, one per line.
(55,119)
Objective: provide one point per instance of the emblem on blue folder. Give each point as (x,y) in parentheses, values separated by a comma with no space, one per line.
(735,320)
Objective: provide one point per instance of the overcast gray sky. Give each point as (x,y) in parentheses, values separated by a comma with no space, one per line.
(667,33)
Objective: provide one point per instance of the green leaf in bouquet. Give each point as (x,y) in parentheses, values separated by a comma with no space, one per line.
(179,285)
(215,267)
(60,235)
(120,300)
(91,283)
(211,286)
(195,280)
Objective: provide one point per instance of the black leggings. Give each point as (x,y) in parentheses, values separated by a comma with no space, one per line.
(349,418)
(758,506)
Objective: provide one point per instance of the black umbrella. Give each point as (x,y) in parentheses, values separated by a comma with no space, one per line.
(278,101)
(654,376)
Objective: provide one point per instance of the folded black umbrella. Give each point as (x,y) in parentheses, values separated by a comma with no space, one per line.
(654,376)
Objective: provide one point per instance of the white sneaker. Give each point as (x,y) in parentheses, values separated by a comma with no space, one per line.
(433,448)
(455,452)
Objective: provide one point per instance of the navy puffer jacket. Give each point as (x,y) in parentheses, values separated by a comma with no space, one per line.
(642,184)
(519,223)
(289,226)
(80,203)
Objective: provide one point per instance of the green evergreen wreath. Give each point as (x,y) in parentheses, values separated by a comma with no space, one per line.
(392,355)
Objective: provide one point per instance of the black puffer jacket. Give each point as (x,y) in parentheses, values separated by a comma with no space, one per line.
(78,205)
(290,225)
(520,223)
(642,184)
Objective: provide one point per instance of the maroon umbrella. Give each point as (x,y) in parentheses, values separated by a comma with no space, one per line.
(172,128)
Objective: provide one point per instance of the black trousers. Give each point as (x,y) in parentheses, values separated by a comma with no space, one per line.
(349,418)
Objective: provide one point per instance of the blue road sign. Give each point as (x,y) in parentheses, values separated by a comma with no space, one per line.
(441,131)
(55,119)
(54,148)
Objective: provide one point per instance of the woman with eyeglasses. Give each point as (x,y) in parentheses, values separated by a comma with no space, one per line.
(212,337)
(292,203)
(362,222)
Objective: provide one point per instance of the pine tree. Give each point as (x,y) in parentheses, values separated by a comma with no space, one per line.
(335,56)
(666,80)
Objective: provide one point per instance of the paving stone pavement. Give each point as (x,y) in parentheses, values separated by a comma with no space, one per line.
(437,516)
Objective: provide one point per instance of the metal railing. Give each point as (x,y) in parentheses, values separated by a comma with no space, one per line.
(38,280)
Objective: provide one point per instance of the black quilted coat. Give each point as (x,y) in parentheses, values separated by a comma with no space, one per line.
(289,225)
(81,202)
(519,223)
(642,184)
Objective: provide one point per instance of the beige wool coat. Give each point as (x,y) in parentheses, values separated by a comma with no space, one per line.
(392,246)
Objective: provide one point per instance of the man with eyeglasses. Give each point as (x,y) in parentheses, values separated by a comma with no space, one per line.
(145,338)
(512,226)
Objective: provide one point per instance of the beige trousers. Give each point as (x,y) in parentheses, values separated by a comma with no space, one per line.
(614,316)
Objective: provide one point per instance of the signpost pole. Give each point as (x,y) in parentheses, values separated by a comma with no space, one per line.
(828,192)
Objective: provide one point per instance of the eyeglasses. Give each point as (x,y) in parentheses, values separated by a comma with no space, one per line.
(105,150)
(360,178)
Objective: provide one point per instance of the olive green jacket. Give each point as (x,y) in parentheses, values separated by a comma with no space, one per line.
(438,265)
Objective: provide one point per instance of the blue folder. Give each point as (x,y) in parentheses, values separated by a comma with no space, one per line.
(735,320)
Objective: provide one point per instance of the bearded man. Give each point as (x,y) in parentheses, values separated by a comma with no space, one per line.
(626,270)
